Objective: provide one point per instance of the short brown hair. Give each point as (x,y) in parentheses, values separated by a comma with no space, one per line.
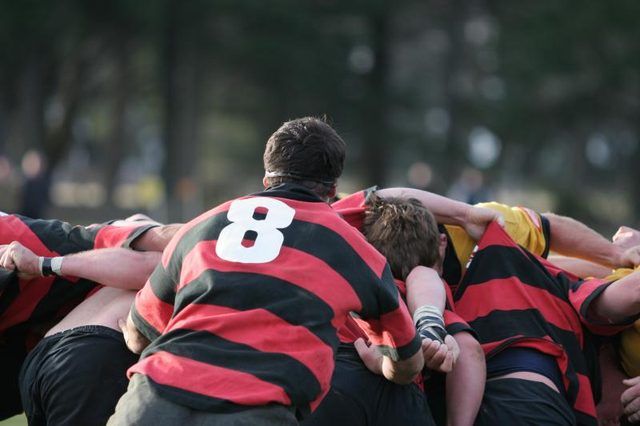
(404,231)
(307,151)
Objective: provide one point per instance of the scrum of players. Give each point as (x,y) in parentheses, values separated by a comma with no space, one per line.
(293,305)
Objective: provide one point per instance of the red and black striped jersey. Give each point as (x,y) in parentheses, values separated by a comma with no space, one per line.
(513,298)
(244,308)
(40,302)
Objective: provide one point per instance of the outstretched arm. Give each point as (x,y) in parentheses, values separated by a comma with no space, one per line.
(113,267)
(447,211)
(574,239)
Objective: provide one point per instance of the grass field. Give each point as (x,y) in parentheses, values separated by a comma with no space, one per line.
(20,420)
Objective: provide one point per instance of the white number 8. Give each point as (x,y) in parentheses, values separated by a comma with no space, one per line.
(268,241)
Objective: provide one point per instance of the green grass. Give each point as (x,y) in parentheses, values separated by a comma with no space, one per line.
(20,420)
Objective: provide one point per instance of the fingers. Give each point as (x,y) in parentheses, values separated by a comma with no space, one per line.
(6,257)
(631,382)
(435,355)
(453,347)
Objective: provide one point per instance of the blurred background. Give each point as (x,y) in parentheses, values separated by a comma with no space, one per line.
(114,107)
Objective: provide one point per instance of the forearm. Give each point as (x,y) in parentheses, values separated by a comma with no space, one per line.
(425,287)
(445,210)
(574,239)
(113,267)
(620,300)
(404,371)
(465,383)
(580,267)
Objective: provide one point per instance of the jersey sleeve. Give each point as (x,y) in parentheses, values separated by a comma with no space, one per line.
(582,294)
(454,323)
(106,236)
(153,307)
(393,330)
(352,207)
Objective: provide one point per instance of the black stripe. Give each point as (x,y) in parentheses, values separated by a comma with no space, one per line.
(163,287)
(313,239)
(245,291)
(61,237)
(143,325)
(546,231)
(297,380)
(501,325)
(500,262)
(291,191)
(459,327)
(136,233)
(62,294)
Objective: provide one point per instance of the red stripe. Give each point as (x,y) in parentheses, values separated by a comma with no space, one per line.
(153,310)
(584,401)
(209,380)
(293,266)
(352,209)
(13,229)
(184,229)
(394,329)
(295,341)
(508,294)
(113,236)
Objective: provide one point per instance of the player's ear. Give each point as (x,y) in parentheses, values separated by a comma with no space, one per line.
(265,182)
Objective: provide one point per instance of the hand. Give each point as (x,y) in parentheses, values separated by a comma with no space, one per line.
(477,220)
(630,257)
(370,356)
(440,357)
(631,399)
(134,340)
(626,237)
(17,257)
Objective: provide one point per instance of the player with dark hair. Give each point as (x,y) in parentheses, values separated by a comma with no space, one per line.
(29,306)
(243,311)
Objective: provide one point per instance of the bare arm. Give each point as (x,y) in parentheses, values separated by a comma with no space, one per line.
(574,239)
(581,268)
(465,384)
(425,287)
(114,267)
(447,211)
(620,300)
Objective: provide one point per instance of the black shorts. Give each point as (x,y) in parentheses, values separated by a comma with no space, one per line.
(359,397)
(75,377)
(523,402)
(12,354)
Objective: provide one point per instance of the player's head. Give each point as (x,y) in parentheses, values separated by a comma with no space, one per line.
(305,151)
(404,231)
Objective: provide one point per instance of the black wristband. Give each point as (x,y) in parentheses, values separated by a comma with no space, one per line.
(46,267)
